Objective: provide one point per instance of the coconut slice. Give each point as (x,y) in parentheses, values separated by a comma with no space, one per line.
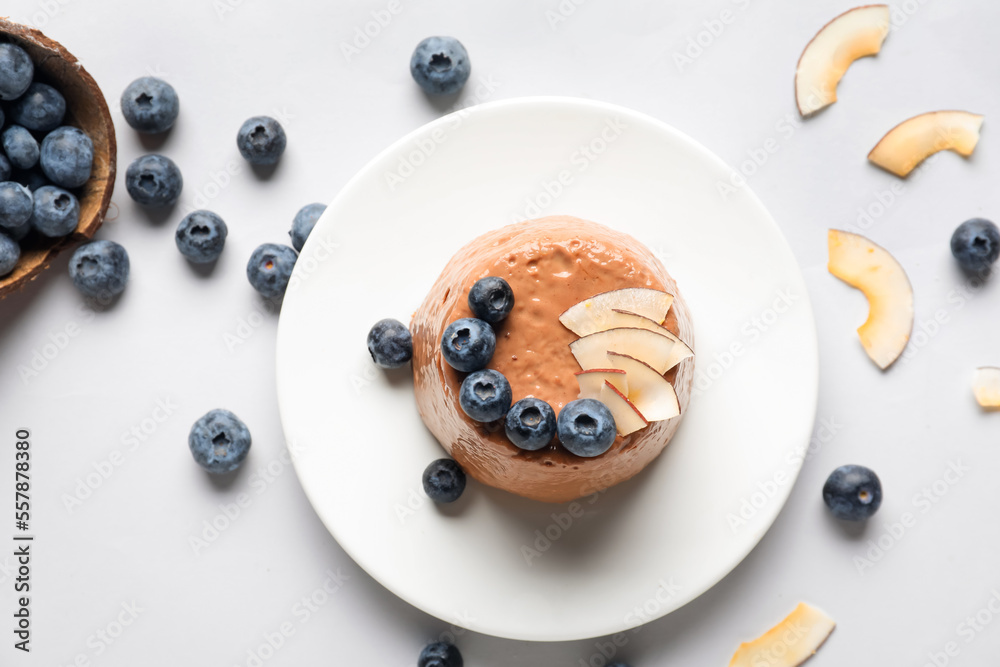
(628,419)
(788,644)
(648,390)
(870,268)
(856,33)
(592,381)
(914,140)
(590,315)
(591,351)
(986,387)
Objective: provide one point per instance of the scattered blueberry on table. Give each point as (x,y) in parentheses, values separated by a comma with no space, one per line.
(440,65)
(41,108)
(99,269)
(154,180)
(976,245)
(270,268)
(390,343)
(444,481)
(16,71)
(261,140)
(55,211)
(201,236)
(440,654)
(485,395)
(586,427)
(303,224)
(468,344)
(10,252)
(853,492)
(530,424)
(150,105)
(491,299)
(20,147)
(6,168)
(219,441)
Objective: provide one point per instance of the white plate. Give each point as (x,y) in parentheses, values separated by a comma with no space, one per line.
(645,547)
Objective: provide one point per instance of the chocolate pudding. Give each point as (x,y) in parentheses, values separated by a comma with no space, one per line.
(551,264)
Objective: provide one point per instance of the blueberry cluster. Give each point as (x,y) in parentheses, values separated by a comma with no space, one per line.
(43,163)
(585,427)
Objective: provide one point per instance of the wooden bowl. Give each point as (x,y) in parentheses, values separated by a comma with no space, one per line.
(86,109)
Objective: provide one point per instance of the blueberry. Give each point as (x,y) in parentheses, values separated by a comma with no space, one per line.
(41,108)
(20,147)
(269,269)
(468,344)
(154,180)
(5,168)
(55,212)
(586,427)
(219,441)
(491,299)
(16,205)
(66,157)
(485,395)
(440,654)
(976,244)
(444,481)
(99,269)
(16,71)
(10,252)
(304,222)
(201,236)
(440,65)
(261,140)
(150,105)
(530,424)
(390,343)
(853,493)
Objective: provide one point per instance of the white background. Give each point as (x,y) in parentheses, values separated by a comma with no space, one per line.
(166,339)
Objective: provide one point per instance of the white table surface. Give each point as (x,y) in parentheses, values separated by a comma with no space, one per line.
(169,340)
